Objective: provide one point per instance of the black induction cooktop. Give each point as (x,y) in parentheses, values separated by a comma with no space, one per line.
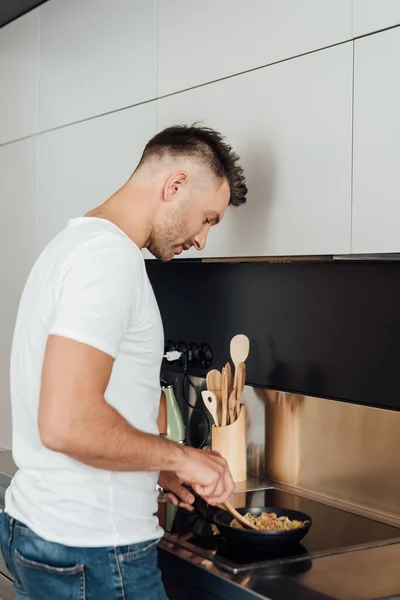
(333,531)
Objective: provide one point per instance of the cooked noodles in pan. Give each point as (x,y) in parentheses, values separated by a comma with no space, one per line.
(270,522)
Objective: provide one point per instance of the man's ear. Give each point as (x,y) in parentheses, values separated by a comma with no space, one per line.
(173,185)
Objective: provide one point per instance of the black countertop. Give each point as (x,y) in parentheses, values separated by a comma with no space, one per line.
(369,574)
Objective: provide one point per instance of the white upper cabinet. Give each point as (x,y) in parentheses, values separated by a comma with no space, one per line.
(200,42)
(83,164)
(376,191)
(18,209)
(291,123)
(95,56)
(19,78)
(373,15)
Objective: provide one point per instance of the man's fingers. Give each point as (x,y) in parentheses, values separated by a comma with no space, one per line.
(182,493)
(174,500)
(187,507)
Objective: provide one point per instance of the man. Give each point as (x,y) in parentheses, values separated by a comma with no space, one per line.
(85,388)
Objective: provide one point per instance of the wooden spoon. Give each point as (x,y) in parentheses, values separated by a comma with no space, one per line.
(241,380)
(225,398)
(232,406)
(240,347)
(236,515)
(211,403)
(214,380)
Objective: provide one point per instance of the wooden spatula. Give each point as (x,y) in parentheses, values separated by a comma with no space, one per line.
(230,377)
(214,384)
(236,515)
(232,406)
(210,402)
(241,380)
(240,347)
(225,398)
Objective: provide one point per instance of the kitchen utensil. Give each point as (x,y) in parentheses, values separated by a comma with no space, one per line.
(245,537)
(232,406)
(176,428)
(229,373)
(227,506)
(225,398)
(214,380)
(240,347)
(241,380)
(230,442)
(214,385)
(210,401)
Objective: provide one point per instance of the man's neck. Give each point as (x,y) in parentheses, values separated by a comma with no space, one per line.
(130,209)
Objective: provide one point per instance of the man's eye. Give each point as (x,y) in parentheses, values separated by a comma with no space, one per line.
(207,221)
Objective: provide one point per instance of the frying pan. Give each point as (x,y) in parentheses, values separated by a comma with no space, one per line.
(249,538)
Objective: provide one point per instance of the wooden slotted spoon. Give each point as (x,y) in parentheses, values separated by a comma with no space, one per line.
(211,403)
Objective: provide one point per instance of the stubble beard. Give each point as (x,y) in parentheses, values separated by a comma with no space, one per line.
(166,235)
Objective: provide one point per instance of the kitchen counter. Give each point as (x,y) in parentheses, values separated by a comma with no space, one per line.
(6,589)
(369,574)
(360,574)
(368,571)
(7,471)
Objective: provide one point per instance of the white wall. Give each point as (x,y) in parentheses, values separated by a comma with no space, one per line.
(85,83)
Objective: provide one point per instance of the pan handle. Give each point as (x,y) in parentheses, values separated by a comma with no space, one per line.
(206,511)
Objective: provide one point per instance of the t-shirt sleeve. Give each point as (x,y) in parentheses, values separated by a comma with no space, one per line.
(99,294)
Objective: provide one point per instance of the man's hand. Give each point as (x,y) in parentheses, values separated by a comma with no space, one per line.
(207,473)
(176,493)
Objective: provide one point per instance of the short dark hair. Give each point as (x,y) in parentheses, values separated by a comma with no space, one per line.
(206,146)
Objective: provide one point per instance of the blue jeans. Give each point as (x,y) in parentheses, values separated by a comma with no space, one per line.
(47,571)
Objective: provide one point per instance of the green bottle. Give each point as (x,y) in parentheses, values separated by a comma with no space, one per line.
(176,430)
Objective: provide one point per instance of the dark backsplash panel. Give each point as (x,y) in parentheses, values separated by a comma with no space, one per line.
(321,329)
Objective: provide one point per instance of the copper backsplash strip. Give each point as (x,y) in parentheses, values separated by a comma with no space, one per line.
(346,452)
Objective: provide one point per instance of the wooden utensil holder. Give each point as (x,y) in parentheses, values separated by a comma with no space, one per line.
(230,442)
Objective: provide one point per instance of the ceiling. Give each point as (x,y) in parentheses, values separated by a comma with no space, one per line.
(12,9)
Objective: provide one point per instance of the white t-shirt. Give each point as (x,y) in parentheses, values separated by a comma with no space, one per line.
(89,285)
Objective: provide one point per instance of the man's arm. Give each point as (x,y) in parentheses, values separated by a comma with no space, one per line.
(75,419)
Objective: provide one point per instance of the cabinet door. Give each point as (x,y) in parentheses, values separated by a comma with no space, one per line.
(373,15)
(19,78)
(82,165)
(18,206)
(200,42)
(291,124)
(95,56)
(376,184)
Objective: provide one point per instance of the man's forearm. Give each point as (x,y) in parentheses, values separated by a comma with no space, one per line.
(104,439)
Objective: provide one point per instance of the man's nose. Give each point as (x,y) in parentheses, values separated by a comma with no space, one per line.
(199,241)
